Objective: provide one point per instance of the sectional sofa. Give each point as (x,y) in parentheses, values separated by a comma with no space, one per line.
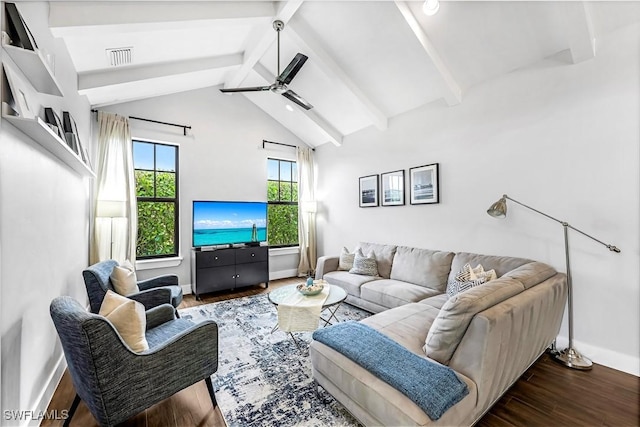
(489,335)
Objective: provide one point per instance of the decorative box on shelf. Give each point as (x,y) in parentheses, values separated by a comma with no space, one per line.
(34,66)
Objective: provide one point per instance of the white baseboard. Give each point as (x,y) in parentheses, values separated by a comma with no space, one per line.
(186,289)
(602,356)
(47,392)
(283,274)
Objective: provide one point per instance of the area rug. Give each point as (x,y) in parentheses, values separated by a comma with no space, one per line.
(263,379)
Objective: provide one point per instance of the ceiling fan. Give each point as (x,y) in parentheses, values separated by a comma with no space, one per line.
(283,79)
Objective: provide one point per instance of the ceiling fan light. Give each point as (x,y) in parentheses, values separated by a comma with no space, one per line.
(430,7)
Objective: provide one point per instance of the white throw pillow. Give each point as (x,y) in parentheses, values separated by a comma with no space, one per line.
(346,260)
(129,319)
(365,265)
(124,280)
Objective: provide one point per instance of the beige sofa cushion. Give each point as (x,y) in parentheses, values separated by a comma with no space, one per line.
(532,273)
(455,315)
(347,281)
(422,267)
(384,256)
(393,293)
(501,264)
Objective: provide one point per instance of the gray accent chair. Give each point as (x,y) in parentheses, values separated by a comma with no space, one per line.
(114,382)
(153,292)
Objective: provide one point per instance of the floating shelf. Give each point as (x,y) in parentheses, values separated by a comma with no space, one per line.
(35,68)
(43,135)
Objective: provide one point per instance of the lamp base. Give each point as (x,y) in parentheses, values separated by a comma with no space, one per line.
(570,358)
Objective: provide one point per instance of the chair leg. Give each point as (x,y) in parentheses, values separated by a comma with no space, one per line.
(211,391)
(72,410)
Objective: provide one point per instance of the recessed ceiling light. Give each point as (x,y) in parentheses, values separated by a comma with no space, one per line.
(288,107)
(430,7)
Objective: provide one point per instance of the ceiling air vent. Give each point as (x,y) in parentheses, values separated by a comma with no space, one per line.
(119,56)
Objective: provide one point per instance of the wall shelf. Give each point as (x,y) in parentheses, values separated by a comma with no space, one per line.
(38,130)
(35,68)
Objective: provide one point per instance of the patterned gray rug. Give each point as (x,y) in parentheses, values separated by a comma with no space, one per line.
(263,379)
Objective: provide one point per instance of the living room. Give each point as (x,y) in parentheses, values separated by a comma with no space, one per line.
(556,132)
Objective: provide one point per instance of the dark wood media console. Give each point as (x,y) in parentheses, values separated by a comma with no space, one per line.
(229,268)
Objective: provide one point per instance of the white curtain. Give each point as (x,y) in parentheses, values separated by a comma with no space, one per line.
(306,211)
(115,224)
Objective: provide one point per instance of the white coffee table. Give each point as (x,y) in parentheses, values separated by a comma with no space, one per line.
(336,296)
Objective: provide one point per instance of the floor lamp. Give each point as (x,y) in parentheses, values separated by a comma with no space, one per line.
(111,209)
(569,356)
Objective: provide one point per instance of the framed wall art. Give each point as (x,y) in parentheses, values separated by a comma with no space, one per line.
(368,195)
(424,184)
(21,103)
(393,188)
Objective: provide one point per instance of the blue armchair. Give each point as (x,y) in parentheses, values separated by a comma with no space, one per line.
(114,382)
(153,292)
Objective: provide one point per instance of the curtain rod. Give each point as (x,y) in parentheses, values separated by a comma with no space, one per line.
(264,141)
(184,127)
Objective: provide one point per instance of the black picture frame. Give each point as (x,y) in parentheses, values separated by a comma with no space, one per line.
(17,29)
(52,118)
(425,184)
(392,184)
(71,135)
(368,191)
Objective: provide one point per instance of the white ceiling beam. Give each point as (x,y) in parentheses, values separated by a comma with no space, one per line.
(119,75)
(310,45)
(582,41)
(453,93)
(264,40)
(331,133)
(82,18)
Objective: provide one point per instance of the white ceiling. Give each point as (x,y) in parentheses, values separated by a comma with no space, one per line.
(368,60)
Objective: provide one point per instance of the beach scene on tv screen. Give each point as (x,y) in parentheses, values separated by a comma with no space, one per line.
(221,223)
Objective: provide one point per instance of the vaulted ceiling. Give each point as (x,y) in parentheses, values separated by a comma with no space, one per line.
(368,60)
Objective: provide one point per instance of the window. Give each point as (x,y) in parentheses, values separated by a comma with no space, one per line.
(156,174)
(282,210)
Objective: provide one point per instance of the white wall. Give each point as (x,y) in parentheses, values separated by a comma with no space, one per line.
(221,159)
(43,235)
(560,137)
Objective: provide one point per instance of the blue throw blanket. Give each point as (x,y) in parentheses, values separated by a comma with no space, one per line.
(434,388)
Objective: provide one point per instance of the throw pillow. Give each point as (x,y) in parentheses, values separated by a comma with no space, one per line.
(123,278)
(454,286)
(346,260)
(468,278)
(365,265)
(129,319)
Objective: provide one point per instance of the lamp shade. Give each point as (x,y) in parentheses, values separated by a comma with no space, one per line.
(498,209)
(111,208)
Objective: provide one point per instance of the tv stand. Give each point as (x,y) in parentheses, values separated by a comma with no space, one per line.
(228,268)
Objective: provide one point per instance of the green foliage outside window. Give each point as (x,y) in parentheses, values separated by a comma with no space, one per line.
(282,195)
(156,192)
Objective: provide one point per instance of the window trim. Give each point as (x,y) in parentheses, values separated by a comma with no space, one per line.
(281,202)
(175,199)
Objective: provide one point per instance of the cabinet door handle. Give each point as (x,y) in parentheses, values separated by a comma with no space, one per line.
(216,257)
(253,254)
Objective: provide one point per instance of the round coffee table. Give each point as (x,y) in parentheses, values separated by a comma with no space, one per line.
(336,296)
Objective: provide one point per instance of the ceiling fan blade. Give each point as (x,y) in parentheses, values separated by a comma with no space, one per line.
(246,89)
(292,69)
(291,95)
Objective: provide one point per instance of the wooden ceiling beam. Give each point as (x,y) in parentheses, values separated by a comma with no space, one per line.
(309,44)
(582,41)
(452,91)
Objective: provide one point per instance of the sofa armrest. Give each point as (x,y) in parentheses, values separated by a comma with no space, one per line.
(326,264)
(155,282)
(159,315)
(152,297)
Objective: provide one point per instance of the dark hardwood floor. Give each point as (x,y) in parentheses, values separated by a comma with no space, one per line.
(548,394)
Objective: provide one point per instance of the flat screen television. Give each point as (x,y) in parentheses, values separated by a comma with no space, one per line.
(227,223)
